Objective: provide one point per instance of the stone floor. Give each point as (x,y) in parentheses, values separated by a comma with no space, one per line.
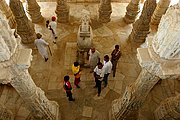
(49,75)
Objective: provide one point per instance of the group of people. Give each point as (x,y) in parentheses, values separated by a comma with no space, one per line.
(41,44)
(100,70)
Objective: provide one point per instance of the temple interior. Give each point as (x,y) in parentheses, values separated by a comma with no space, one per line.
(147,81)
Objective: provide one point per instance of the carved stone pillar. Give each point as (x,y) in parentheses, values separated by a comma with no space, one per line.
(33,10)
(25,28)
(36,102)
(141,26)
(161,8)
(14,70)
(5,114)
(62,11)
(161,59)
(8,13)
(133,9)
(168,109)
(105,11)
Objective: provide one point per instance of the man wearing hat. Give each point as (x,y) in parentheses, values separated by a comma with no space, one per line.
(52,27)
(41,46)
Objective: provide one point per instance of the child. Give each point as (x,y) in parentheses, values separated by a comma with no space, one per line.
(68,88)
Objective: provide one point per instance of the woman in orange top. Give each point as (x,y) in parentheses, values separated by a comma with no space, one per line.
(76,71)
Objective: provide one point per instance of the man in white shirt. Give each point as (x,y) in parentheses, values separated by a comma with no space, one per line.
(52,27)
(98,75)
(107,69)
(93,58)
(41,46)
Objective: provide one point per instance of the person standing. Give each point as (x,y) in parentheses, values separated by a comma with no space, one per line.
(107,69)
(52,27)
(98,75)
(76,71)
(68,88)
(41,46)
(115,55)
(93,58)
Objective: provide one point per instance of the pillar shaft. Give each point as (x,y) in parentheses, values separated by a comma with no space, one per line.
(133,9)
(33,10)
(25,28)
(8,13)
(161,8)
(105,11)
(141,26)
(62,11)
(127,107)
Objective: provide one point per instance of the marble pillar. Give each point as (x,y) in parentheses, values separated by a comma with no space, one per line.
(25,29)
(168,109)
(105,11)
(160,60)
(161,8)
(5,114)
(62,11)
(14,66)
(141,26)
(33,10)
(133,9)
(8,13)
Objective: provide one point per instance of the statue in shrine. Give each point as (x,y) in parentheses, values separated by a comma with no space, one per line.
(84,37)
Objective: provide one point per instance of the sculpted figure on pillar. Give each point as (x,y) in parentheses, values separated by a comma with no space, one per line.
(133,9)
(161,8)
(141,26)
(33,10)
(105,11)
(8,13)
(62,11)
(25,28)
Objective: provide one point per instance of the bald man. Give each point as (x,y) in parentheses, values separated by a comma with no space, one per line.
(94,58)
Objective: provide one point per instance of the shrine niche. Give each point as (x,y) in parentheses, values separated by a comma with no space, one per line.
(84,37)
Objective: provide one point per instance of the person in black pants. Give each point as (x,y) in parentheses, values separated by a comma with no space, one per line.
(68,88)
(98,75)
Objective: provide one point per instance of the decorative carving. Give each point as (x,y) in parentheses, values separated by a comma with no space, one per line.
(105,11)
(8,43)
(133,9)
(5,114)
(141,26)
(168,109)
(62,11)
(166,42)
(33,10)
(127,107)
(24,27)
